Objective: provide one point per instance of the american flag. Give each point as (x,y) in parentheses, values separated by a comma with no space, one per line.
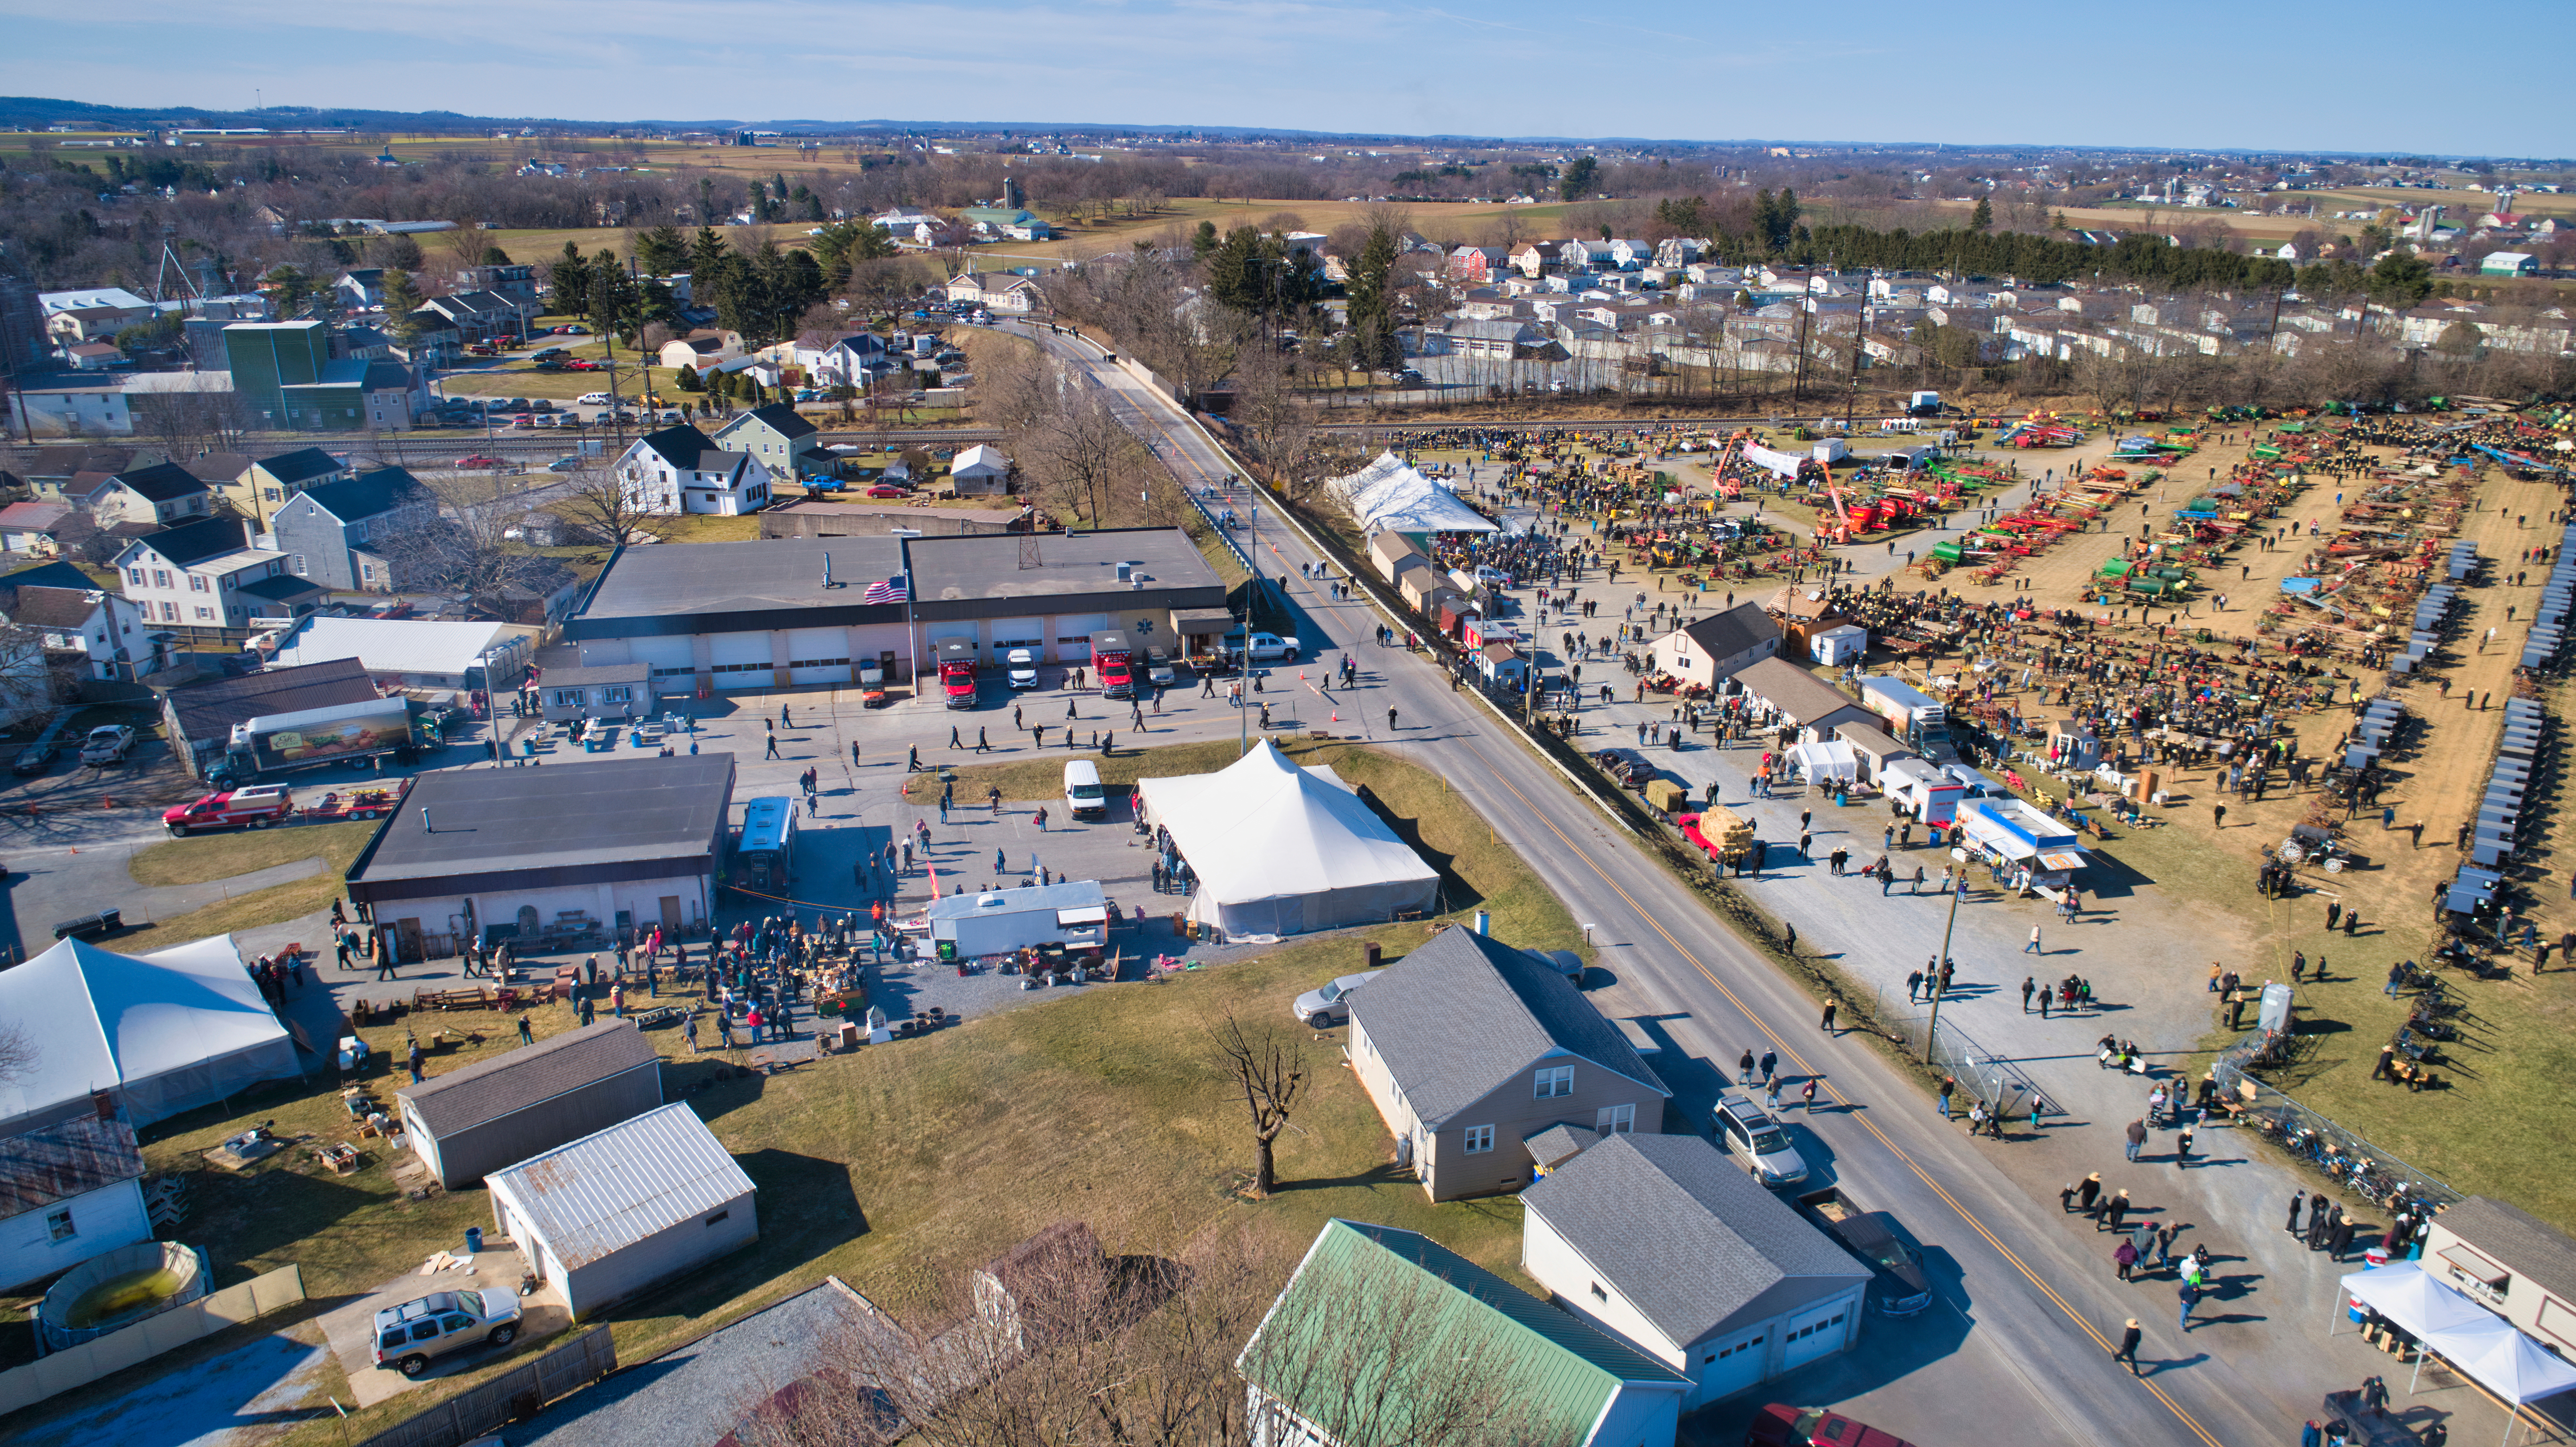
(892,590)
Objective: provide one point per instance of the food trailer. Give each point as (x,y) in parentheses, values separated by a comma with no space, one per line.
(2036,851)
(1072,916)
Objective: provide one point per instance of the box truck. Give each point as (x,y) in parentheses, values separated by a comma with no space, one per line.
(1912,715)
(312,738)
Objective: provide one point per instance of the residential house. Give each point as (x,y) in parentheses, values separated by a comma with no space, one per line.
(206,577)
(70,1192)
(980,471)
(680,469)
(995,291)
(1630,255)
(507,280)
(784,441)
(105,632)
(164,494)
(361,289)
(480,316)
(1666,1245)
(221,472)
(263,487)
(1476,265)
(1719,646)
(1678,251)
(846,362)
(94,356)
(917,227)
(30,527)
(1530,259)
(349,535)
(1469,1046)
(1378,1324)
(701,349)
(48,470)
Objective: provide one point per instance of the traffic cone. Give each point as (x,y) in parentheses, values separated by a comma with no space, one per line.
(1337,718)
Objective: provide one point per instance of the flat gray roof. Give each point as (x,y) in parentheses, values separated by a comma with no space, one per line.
(723,587)
(956,569)
(460,822)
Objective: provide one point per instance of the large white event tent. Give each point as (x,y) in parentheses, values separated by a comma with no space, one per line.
(1281,850)
(1388,495)
(2447,1323)
(162,1033)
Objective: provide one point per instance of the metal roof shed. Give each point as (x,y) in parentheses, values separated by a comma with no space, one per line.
(628,1208)
(472,1122)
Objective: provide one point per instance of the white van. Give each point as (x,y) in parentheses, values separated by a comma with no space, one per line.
(1083,796)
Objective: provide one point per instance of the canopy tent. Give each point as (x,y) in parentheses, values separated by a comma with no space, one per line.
(163,1033)
(1827,762)
(1284,850)
(1783,463)
(2449,1324)
(1388,495)
(2406,1294)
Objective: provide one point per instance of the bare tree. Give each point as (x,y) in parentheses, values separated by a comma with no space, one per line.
(470,550)
(17,1054)
(1270,1069)
(609,502)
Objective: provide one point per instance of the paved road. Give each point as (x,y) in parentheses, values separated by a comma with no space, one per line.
(2028,1305)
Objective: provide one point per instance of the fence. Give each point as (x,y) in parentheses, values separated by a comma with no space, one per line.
(86,1362)
(1983,1074)
(517,1394)
(2345,1158)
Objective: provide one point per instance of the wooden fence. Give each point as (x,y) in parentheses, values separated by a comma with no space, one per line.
(517,1394)
(78,1366)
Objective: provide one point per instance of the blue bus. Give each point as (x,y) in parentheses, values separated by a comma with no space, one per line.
(765,854)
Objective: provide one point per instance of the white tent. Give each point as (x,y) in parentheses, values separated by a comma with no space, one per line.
(1830,761)
(165,1033)
(2504,1361)
(1389,495)
(1282,850)
(2406,1294)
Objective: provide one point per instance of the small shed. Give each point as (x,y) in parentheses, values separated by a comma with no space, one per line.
(627,1208)
(600,690)
(69,1192)
(1875,749)
(469,1124)
(1395,556)
(980,471)
(1838,646)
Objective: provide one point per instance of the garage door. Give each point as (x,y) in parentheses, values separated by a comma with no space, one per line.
(818,655)
(742,660)
(1073,635)
(1813,1333)
(1729,1366)
(673,668)
(1010,633)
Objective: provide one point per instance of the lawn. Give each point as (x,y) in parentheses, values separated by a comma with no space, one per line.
(1108,1105)
(221,856)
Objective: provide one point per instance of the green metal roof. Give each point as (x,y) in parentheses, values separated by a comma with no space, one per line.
(1555,1373)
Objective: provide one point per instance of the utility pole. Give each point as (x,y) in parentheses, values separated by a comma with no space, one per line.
(1932,1030)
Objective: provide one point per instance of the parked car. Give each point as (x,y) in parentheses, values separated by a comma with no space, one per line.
(1330,1005)
(565,463)
(35,758)
(593,399)
(1158,668)
(107,744)
(888,489)
(1269,648)
(1022,663)
(1901,1288)
(410,1336)
(478,460)
(546,352)
(1756,1141)
(1781,1425)
(582,364)
(576,329)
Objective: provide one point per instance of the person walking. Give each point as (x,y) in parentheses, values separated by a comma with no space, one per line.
(1807,1096)
(2125,1258)
(1770,1066)
(2127,1351)
(1913,985)
(2137,1133)
(2298,1199)
(2088,1192)
(2033,947)
(2182,1149)
(1827,1023)
(1390,719)
(1947,1086)
(2029,987)
(2190,1295)
(2118,1211)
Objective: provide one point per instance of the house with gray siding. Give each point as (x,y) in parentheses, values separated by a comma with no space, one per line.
(1470,1048)
(495,1112)
(341,534)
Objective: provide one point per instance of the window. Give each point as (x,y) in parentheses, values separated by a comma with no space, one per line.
(134,576)
(1598,1294)
(196,582)
(58,1225)
(160,577)
(569,698)
(298,565)
(169,612)
(1480,1139)
(1555,1081)
(1615,1120)
(269,493)
(720,1215)
(204,612)
(617,694)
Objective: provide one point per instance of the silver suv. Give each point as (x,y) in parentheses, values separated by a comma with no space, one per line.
(1757,1141)
(408,1337)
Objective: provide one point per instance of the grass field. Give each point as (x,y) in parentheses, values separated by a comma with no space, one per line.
(221,856)
(1109,1105)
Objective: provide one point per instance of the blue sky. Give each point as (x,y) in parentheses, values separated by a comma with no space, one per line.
(2185,73)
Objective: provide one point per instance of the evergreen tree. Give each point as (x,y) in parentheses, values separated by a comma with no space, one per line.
(1204,241)
(571,283)
(1983,217)
(1578,179)
(495,256)
(1234,270)
(661,252)
(402,298)
(707,252)
(1372,293)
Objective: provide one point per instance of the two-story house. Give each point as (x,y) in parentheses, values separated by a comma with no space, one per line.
(1669,1246)
(846,362)
(680,469)
(1469,1047)
(162,495)
(361,289)
(348,535)
(784,442)
(76,619)
(266,484)
(206,578)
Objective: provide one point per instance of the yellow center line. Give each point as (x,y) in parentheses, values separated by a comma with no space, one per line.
(1863,1120)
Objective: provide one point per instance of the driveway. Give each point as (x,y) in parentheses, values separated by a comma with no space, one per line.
(348,1327)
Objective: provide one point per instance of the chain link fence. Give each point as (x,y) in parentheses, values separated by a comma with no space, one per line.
(1982,1074)
(2315,1141)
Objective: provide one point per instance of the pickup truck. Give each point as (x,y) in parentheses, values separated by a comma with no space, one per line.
(1900,1287)
(255,807)
(1269,648)
(107,744)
